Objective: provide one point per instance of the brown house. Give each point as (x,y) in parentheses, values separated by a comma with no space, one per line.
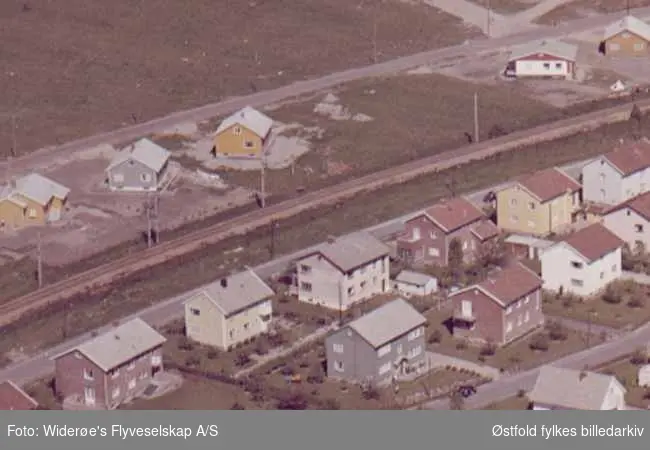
(627,37)
(110,369)
(500,309)
(427,236)
(13,398)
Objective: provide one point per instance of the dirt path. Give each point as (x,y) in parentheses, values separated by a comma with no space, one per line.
(538,10)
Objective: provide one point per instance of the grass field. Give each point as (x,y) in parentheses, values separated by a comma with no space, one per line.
(628,374)
(97,66)
(571,10)
(510,404)
(505,7)
(562,13)
(151,286)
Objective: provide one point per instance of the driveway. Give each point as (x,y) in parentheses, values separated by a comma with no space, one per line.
(440,360)
(640,278)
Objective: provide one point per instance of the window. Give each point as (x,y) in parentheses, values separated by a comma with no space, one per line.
(415,334)
(628,212)
(414,352)
(337,348)
(576,264)
(519,320)
(558,65)
(614,268)
(614,47)
(466,308)
(231,333)
(508,309)
(531,206)
(432,235)
(526,317)
(362,285)
(639,46)
(602,178)
(31,213)
(145,177)
(351,290)
(338,366)
(626,35)
(577,283)
(508,327)
(131,366)
(88,374)
(118,178)
(156,360)
(602,275)
(514,218)
(537,303)
(527,299)
(518,305)
(116,393)
(384,369)
(434,252)
(638,228)
(115,373)
(603,194)
(465,245)
(246,326)
(547,66)
(531,224)
(249,144)
(513,201)
(399,349)
(195,312)
(77,355)
(132,384)
(305,286)
(383,351)
(304,268)
(416,233)
(236,131)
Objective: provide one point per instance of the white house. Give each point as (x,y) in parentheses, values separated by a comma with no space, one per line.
(344,271)
(566,389)
(410,283)
(630,221)
(543,59)
(618,175)
(644,376)
(583,263)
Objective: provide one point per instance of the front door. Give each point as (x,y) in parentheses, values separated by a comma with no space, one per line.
(89,396)
(54,214)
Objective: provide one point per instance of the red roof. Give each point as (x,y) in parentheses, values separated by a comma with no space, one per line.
(485,230)
(511,283)
(639,204)
(631,158)
(450,215)
(13,397)
(594,242)
(549,184)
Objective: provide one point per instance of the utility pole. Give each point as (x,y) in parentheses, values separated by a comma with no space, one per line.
(274,226)
(14,149)
(627,7)
(39,267)
(263,181)
(156,206)
(374,38)
(476,130)
(148,211)
(489,19)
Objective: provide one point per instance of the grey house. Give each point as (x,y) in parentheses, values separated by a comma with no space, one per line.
(378,347)
(141,167)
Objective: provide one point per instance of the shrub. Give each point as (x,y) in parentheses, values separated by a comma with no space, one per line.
(639,358)
(521,393)
(489,349)
(295,401)
(636,302)
(612,295)
(331,404)
(212,354)
(241,359)
(539,342)
(316,375)
(192,361)
(461,345)
(262,346)
(186,345)
(435,337)
(371,393)
(237,407)
(556,331)
(304,364)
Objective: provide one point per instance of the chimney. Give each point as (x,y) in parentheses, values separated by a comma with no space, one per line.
(224,282)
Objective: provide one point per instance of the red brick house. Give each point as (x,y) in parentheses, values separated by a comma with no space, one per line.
(110,369)
(500,309)
(13,398)
(427,236)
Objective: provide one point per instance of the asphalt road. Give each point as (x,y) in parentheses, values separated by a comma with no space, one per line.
(259,99)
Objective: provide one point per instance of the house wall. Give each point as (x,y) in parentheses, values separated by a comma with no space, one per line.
(329,287)
(629,226)
(229,143)
(518,211)
(635,184)
(601,183)
(132,172)
(204,322)
(11,214)
(69,378)
(550,66)
(35,214)
(615,398)
(559,273)
(626,44)
(362,363)
(408,289)
(129,379)
(248,323)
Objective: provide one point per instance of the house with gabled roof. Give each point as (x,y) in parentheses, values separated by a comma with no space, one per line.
(567,389)
(140,167)
(14,398)
(630,221)
(428,235)
(32,200)
(13,210)
(584,262)
(538,204)
(245,134)
(110,369)
(229,311)
(344,271)
(503,307)
(409,283)
(380,346)
(617,176)
(628,36)
(543,59)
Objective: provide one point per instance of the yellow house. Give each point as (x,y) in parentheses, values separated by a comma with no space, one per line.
(539,204)
(244,134)
(12,210)
(229,311)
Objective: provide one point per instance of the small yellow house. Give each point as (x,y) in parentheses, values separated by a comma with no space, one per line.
(539,204)
(229,311)
(243,135)
(34,200)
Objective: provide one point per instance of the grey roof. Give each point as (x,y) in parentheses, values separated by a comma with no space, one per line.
(551,47)
(631,24)
(145,152)
(413,278)
(40,189)
(387,322)
(257,122)
(243,289)
(6,193)
(354,250)
(565,388)
(118,346)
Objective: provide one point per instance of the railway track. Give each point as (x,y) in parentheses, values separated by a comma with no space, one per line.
(118,269)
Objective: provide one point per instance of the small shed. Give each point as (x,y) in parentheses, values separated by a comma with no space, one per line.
(526,247)
(409,283)
(644,376)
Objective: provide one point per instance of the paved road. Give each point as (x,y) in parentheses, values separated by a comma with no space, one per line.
(509,386)
(42,157)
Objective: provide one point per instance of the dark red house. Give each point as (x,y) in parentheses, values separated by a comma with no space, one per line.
(14,398)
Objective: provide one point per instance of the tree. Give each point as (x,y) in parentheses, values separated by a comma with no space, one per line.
(636,114)
(491,253)
(456,401)
(292,401)
(455,259)
(496,131)
(556,332)
(241,359)
(539,342)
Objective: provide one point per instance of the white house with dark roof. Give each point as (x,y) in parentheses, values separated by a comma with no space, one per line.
(408,283)
(229,311)
(344,271)
(567,389)
(110,369)
(140,167)
(382,345)
(546,58)
(630,221)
